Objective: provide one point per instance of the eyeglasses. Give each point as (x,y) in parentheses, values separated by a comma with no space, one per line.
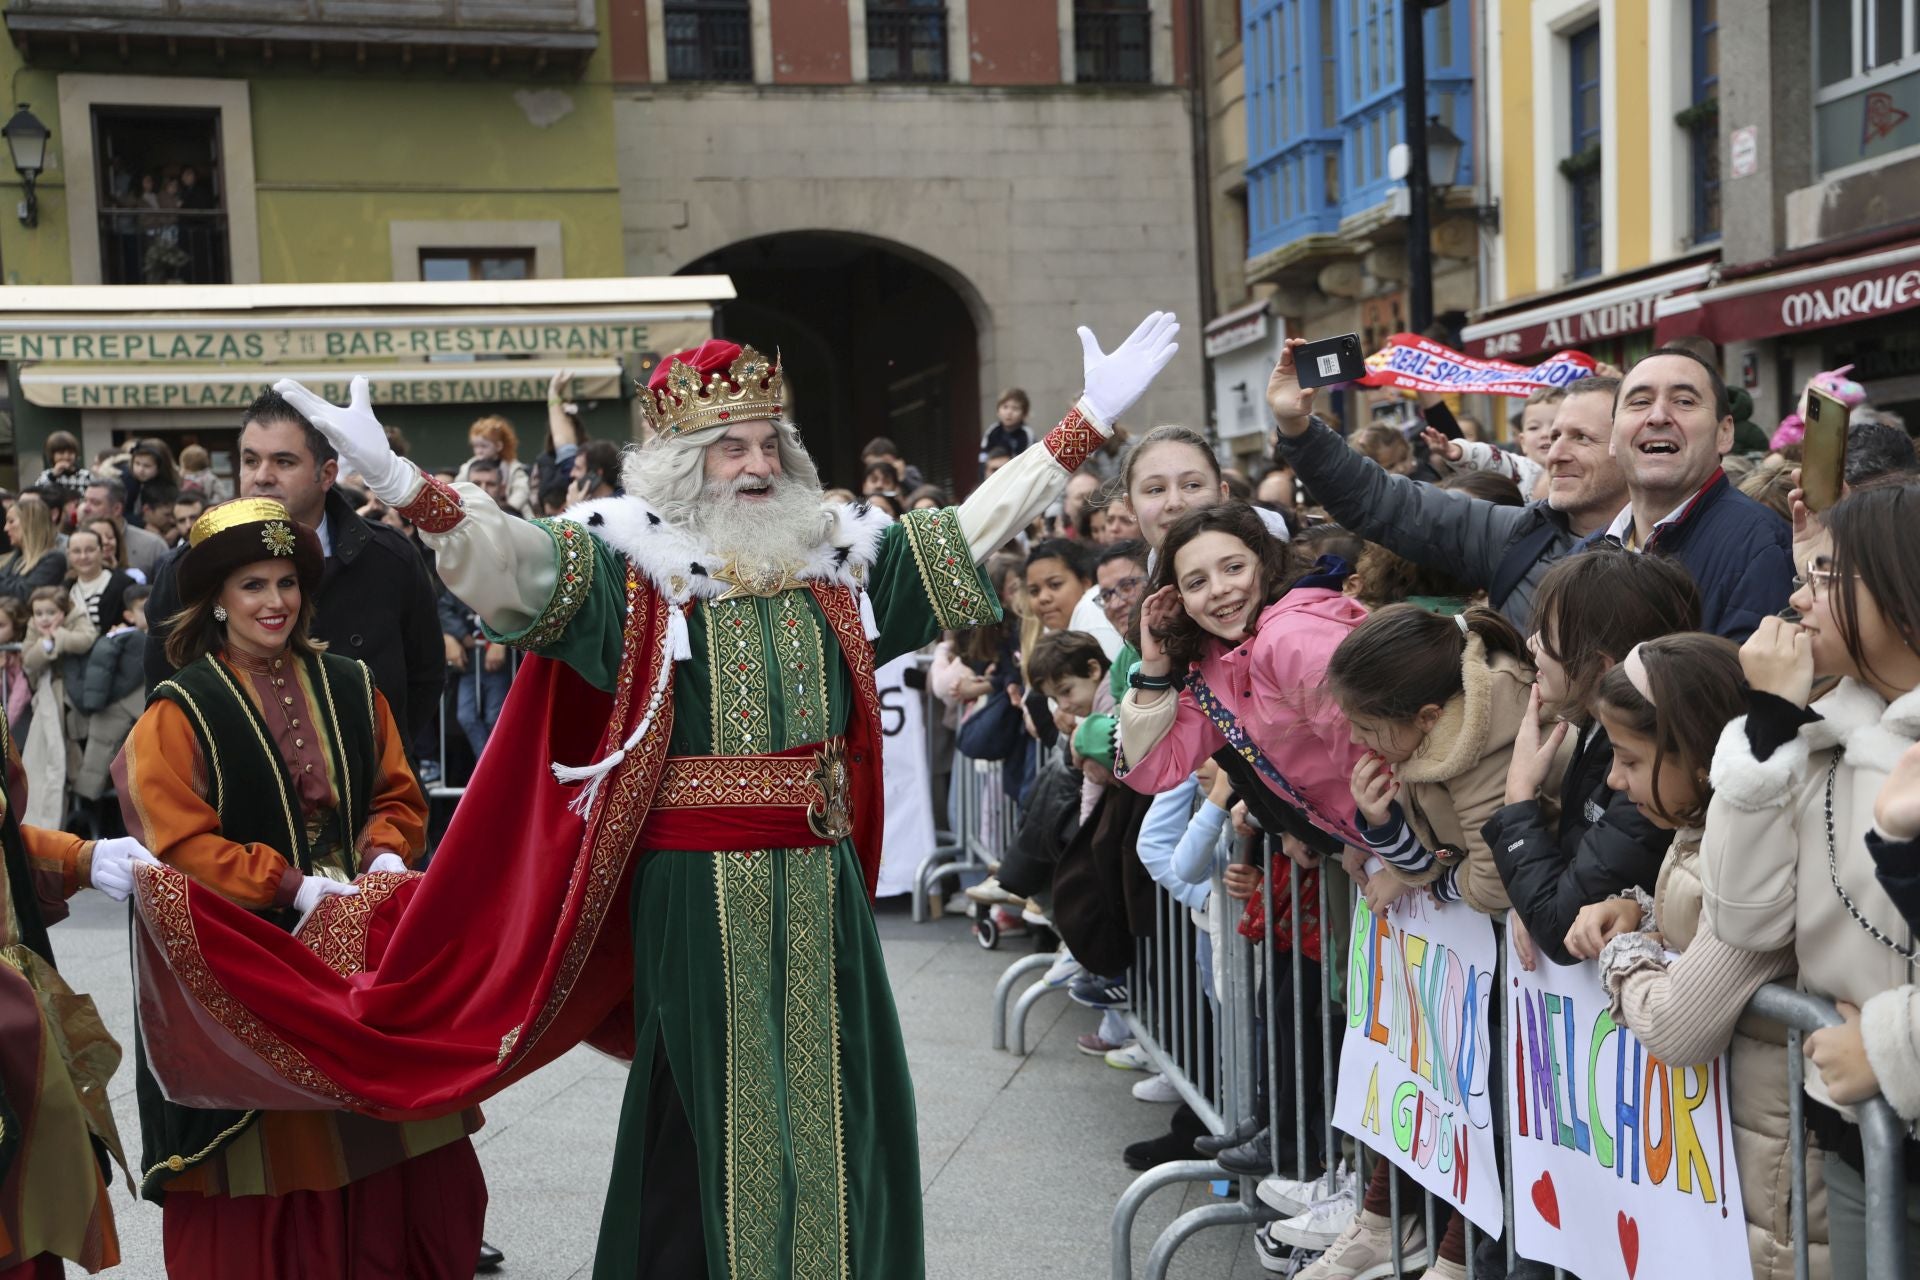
(1120,590)
(1820,578)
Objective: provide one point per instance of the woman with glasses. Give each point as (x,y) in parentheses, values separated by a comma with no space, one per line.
(1785,854)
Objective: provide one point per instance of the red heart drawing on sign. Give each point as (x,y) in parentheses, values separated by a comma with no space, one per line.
(1629,1241)
(1547,1200)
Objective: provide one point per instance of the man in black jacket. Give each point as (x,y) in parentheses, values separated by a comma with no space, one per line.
(376,601)
(1504,549)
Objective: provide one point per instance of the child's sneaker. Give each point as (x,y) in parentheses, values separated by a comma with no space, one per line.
(1129,1057)
(1364,1251)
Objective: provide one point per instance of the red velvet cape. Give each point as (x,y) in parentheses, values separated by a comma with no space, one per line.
(427,993)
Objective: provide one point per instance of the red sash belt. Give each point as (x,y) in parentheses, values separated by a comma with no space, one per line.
(791,799)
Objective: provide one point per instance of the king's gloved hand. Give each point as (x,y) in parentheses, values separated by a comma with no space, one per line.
(113,861)
(360,439)
(1115,381)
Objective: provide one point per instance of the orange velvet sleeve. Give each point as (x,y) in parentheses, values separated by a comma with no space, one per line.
(162,781)
(397,822)
(60,864)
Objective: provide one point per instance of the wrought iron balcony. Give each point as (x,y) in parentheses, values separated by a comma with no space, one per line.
(164,246)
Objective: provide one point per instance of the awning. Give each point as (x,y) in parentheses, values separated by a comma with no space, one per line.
(109,386)
(1238,328)
(1843,291)
(1575,318)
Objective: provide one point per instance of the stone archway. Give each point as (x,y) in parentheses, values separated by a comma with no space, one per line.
(878,341)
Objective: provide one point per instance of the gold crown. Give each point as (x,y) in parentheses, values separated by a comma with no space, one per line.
(750,387)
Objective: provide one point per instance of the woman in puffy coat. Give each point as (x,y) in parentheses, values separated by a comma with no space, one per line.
(1785,852)
(1669,702)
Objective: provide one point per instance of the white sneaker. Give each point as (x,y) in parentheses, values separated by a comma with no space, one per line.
(1065,969)
(1156,1089)
(1364,1249)
(1292,1196)
(1128,1058)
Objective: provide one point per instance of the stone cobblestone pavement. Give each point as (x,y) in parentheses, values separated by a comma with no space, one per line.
(1020,1158)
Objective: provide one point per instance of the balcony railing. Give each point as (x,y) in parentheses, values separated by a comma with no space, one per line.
(164,246)
(709,40)
(1704,141)
(1112,44)
(907,43)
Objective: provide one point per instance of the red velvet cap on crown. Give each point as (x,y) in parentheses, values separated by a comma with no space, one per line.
(715,383)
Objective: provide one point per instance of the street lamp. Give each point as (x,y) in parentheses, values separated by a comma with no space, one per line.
(1443,153)
(27,140)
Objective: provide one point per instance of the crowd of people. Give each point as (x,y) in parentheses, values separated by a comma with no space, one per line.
(1615,687)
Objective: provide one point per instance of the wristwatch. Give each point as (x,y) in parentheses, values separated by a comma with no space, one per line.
(1136,680)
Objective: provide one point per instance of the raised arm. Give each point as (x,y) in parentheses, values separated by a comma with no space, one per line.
(1012,496)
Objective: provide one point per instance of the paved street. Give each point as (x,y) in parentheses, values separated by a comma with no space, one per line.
(1019,1157)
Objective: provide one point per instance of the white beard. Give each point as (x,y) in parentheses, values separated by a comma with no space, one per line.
(776,532)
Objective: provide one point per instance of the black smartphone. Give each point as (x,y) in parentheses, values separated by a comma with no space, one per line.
(1329,360)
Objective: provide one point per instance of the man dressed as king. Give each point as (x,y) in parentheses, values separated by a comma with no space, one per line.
(668,850)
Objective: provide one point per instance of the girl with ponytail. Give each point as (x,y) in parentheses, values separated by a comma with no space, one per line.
(1436,703)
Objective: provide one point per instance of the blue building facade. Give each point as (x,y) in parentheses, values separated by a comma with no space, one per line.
(1324,107)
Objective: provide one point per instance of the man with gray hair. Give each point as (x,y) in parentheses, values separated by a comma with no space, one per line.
(704,649)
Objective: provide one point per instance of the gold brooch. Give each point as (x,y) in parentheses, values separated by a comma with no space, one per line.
(278,537)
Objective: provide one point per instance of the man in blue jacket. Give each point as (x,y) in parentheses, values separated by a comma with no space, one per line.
(1672,423)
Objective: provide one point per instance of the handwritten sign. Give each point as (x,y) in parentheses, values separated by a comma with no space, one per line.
(1413,1070)
(1622,1165)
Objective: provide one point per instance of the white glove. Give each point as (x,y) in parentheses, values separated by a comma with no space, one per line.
(113,865)
(1114,382)
(387,862)
(357,434)
(314,888)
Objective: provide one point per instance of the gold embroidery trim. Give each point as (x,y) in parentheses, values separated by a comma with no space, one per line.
(206,734)
(802,657)
(706,782)
(947,571)
(743,894)
(742,712)
(814,1115)
(574,567)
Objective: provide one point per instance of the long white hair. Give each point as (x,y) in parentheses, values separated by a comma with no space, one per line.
(670,476)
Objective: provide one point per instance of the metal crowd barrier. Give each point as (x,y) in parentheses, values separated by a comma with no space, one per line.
(1207,1049)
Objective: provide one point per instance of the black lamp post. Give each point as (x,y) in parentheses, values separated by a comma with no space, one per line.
(27,140)
(1413,54)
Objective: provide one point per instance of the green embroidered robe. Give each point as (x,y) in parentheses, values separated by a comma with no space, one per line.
(761,973)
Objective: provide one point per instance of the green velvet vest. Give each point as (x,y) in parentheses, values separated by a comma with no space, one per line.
(250,786)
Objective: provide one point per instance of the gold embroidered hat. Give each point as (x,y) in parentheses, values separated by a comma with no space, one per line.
(715,383)
(243,532)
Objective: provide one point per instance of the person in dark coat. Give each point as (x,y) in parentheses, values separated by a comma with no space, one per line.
(1590,611)
(1672,423)
(1503,549)
(376,600)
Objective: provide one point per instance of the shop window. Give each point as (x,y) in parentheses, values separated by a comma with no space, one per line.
(476,264)
(163,217)
(1582,165)
(907,41)
(1112,42)
(1867,64)
(1701,120)
(709,40)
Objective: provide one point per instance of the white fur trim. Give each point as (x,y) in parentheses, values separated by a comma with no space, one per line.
(1887,1028)
(1751,784)
(680,566)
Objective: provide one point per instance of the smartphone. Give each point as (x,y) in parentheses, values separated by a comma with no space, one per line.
(1823,455)
(1325,361)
